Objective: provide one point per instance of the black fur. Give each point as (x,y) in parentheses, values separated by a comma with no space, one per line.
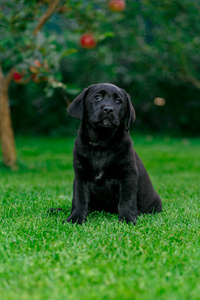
(109,174)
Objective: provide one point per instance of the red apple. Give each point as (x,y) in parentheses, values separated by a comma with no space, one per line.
(17,77)
(117,5)
(87,41)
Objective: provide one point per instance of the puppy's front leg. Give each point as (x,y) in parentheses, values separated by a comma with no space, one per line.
(79,202)
(127,206)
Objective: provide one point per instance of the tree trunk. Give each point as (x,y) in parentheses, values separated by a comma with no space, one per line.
(6,130)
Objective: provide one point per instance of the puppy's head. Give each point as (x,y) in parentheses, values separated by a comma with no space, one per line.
(103,105)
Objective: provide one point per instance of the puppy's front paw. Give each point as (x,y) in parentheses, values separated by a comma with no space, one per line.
(75,218)
(128,218)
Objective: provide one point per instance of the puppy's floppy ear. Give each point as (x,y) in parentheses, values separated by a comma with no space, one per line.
(130,115)
(76,108)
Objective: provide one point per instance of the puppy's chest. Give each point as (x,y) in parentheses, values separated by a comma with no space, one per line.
(97,165)
(103,166)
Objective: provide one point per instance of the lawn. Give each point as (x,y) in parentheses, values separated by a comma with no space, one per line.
(40,258)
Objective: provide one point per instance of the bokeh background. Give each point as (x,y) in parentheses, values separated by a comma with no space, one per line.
(149,48)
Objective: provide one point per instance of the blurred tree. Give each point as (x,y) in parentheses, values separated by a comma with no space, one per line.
(26,53)
(20,40)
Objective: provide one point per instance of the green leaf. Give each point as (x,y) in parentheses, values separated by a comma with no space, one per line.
(105,35)
(69,52)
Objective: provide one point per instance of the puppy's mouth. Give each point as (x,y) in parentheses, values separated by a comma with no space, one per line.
(106,123)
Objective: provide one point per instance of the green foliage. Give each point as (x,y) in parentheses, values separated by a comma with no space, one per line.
(150,49)
(43,259)
(152,53)
(20,47)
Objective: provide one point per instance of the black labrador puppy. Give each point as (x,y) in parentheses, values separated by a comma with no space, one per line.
(109,175)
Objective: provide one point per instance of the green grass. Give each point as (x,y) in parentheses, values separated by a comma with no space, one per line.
(40,258)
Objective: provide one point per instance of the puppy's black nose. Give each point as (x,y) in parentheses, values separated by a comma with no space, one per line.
(108,109)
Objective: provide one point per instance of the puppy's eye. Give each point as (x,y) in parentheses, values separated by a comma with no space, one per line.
(118,101)
(98,97)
